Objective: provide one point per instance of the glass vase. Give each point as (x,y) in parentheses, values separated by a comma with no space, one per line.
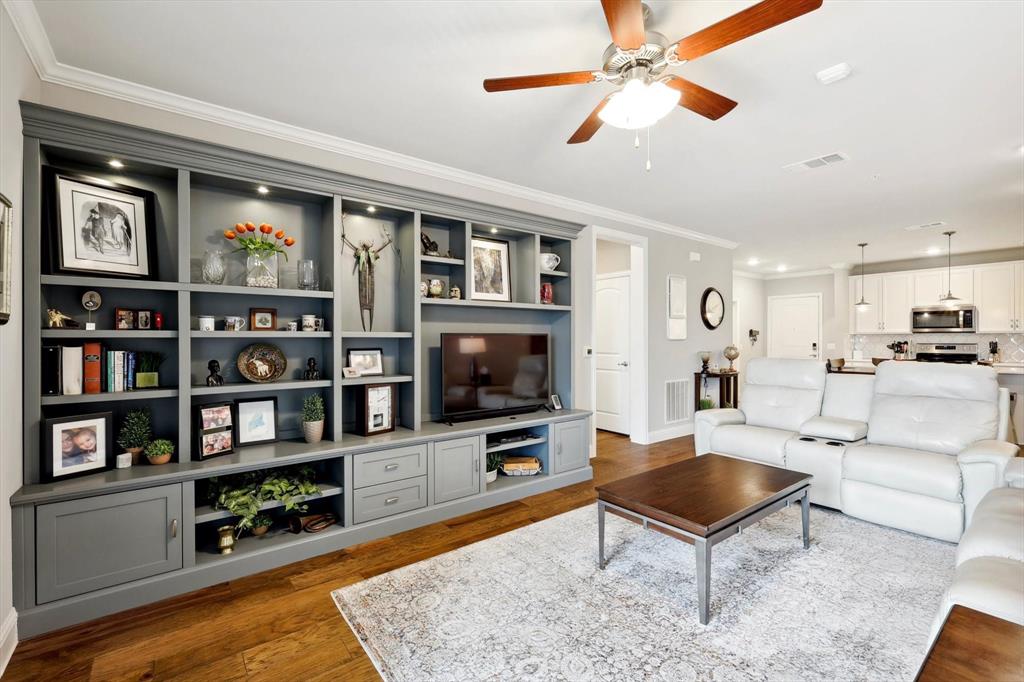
(214,268)
(261,269)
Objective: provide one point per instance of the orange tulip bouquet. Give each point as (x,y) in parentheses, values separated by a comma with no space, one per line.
(261,251)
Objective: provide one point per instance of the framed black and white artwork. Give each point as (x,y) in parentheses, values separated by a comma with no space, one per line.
(100,228)
(367,361)
(78,445)
(492,276)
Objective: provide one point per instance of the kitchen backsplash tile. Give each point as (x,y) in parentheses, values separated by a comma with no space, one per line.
(1011,346)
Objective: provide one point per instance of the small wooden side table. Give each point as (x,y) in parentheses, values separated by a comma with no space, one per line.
(728,387)
(974,646)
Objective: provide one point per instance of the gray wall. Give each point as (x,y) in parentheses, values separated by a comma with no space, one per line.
(748,295)
(834,319)
(18,80)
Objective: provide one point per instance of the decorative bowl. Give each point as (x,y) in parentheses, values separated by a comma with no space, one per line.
(261,363)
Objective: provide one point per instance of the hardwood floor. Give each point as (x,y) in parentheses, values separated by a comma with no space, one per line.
(282,624)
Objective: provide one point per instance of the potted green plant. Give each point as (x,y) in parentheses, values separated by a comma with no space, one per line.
(313,418)
(160,451)
(245,494)
(261,524)
(493,462)
(706,403)
(147,372)
(136,432)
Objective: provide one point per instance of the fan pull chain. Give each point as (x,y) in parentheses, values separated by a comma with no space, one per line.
(648,150)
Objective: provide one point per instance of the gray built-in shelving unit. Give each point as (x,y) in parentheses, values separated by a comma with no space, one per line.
(423,472)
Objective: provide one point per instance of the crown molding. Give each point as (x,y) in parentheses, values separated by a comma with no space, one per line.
(747,275)
(30,28)
(805,273)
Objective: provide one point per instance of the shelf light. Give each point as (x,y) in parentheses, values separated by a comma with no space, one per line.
(371,209)
(262,190)
(114,163)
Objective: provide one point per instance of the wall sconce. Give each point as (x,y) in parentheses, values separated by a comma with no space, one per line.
(752,335)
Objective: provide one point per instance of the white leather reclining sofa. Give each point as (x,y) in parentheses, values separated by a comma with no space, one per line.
(914,447)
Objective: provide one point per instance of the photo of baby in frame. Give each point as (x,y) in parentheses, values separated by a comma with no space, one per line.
(73,446)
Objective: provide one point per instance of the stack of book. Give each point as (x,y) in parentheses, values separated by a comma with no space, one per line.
(520,466)
(88,368)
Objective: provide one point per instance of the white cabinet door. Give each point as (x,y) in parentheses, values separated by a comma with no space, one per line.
(929,285)
(896,297)
(867,320)
(1018,294)
(959,281)
(995,297)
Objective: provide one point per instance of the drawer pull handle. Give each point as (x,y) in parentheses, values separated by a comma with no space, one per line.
(391,500)
(174,528)
(390,467)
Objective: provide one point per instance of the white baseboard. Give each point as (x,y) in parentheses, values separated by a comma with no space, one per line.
(8,639)
(677,431)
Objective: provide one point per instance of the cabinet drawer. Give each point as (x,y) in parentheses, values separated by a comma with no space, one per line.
(393,464)
(85,545)
(386,499)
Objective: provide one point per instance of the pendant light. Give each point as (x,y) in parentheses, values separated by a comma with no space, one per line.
(862,304)
(949,299)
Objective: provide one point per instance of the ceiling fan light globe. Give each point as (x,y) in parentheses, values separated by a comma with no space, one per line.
(639,105)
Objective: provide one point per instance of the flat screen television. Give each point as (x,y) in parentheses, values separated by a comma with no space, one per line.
(487,375)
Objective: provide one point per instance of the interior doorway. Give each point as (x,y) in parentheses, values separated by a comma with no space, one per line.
(619,377)
(794,326)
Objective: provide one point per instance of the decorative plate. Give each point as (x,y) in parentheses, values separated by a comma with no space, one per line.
(261,363)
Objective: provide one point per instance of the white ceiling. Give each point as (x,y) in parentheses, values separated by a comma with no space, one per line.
(932,117)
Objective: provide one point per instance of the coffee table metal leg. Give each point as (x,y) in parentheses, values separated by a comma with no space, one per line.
(600,535)
(703,551)
(805,515)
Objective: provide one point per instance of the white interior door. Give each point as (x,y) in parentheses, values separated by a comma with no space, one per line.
(611,352)
(794,326)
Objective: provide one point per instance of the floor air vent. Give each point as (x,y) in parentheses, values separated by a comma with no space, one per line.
(677,396)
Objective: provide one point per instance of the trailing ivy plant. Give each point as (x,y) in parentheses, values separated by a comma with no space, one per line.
(245,494)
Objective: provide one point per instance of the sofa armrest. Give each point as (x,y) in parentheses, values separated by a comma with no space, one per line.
(706,421)
(983,467)
(1014,473)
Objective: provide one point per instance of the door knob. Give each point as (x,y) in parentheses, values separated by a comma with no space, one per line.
(623,364)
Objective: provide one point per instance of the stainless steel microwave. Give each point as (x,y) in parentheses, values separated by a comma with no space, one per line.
(944,319)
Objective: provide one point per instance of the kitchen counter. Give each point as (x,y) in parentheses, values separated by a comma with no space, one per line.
(862,366)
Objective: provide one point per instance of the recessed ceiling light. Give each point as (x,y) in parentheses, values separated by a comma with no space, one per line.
(494,230)
(834,73)
(781,268)
(752,261)
(114,163)
(262,190)
(371,209)
(933,251)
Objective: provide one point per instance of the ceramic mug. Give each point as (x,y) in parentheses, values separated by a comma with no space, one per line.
(549,261)
(309,323)
(293,326)
(318,324)
(234,323)
(206,323)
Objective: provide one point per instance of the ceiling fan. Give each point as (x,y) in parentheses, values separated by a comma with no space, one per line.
(637,58)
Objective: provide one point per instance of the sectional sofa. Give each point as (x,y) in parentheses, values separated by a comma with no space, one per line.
(915,447)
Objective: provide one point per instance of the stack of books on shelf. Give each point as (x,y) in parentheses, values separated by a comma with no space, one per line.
(91,368)
(520,466)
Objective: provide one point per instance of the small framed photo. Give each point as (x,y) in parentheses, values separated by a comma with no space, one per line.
(216,416)
(98,228)
(124,318)
(75,446)
(256,421)
(350,372)
(375,409)
(217,443)
(214,430)
(556,402)
(144,319)
(492,277)
(367,361)
(263,319)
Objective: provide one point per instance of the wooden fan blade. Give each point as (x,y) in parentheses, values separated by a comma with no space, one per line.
(590,126)
(626,22)
(750,21)
(700,100)
(542,80)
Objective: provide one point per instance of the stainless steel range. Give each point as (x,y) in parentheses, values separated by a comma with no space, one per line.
(960,353)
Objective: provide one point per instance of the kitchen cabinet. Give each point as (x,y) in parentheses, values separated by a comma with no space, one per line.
(866,320)
(960,281)
(931,285)
(897,292)
(456,468)
(997,294)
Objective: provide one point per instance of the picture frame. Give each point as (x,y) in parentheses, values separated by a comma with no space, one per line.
(143,319)
(491,274)
(255,421)
(214,431)
(375,409)
(124,319)
(97,227)
(367,361)
(6,254)
(77,446)
(556,402)
(350,372)
(263,319)
(675,320)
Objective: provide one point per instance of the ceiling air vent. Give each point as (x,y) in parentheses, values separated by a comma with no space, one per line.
(818,162)
(926,226)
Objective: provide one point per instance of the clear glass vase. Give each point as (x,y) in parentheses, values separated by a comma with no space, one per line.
(214,268)
(261,269)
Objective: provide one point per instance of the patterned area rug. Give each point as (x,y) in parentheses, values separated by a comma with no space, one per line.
(531,604)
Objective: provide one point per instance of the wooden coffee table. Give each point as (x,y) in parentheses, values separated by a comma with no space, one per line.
(703,501)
